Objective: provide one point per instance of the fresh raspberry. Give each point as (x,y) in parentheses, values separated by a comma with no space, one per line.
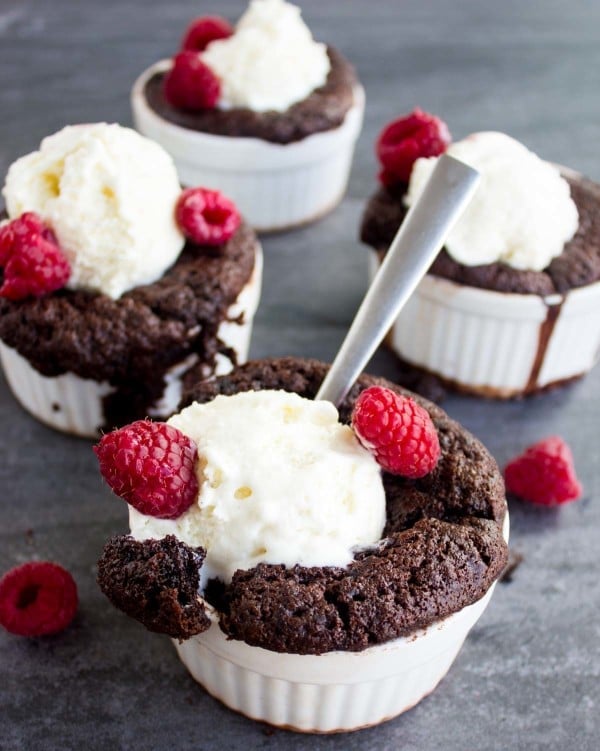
(190,84)
(14,232)
(33,263)
(206,217)
(201,32)
(37,598)
(152,466)
(6,243)
(544,474)
(406,139)
(397,430)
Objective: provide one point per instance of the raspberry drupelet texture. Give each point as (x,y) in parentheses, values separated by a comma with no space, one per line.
(544,474)
(405,140)
(152,466)
(33,264)
(398,431)
(37,598)
(190,84)
(206,217)
(202,31)
(14,232)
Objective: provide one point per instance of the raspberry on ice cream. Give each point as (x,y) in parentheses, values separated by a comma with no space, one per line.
(34,265)
(544,474)
(201,32)
(23,226)
(151,465)
(398,431)
(37,598)
(206,217)
(191,84)
(405,140)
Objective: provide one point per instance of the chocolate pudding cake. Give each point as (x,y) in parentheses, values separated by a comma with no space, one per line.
(509,306)
(442,549)
(115,282)
(260,110)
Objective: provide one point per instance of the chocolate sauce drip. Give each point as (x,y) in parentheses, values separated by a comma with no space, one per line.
(545,334)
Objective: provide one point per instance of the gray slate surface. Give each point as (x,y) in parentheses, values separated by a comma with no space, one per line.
(528,676)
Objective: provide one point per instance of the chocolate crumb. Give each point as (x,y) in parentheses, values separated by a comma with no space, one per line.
(514,561)
(422,382)
(156,582)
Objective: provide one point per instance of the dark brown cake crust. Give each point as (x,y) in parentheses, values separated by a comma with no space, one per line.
(442,550)
(413,578)
(324,109)
(578,265)
(131,342)
(156,582)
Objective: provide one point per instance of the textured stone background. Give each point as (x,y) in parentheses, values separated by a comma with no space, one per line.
(528,675)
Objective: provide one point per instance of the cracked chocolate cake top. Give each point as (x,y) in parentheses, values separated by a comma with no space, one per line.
(443,545)
(324,109)
(576,266)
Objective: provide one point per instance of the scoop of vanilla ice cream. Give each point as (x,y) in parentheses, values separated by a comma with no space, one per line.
(522,213)
(109,194)
(281,481)
(271,61)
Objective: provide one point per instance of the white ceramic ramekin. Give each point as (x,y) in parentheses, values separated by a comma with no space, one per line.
(497,344)
(275,186)
(332,692)
(74,405)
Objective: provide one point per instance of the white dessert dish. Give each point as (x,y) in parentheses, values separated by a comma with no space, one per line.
(497,344)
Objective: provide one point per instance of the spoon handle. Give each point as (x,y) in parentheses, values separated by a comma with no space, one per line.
(418,241)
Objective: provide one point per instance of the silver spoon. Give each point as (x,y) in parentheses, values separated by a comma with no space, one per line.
(418,241)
